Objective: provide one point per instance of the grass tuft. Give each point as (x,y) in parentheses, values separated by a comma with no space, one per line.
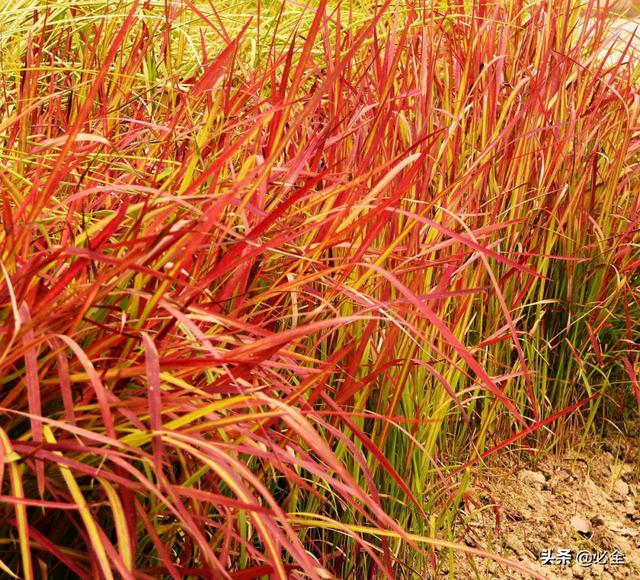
(277,276)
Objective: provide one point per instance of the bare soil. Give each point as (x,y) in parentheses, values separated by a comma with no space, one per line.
(579,501)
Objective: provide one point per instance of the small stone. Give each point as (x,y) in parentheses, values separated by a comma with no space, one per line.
(535,478)
(621,487)
(620,529)
(629,506)
(580,525)
(627,470)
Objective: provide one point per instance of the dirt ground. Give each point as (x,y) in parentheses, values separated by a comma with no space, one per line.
(586,503)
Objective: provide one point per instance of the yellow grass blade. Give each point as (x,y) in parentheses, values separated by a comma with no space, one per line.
(12,458)
(85,513)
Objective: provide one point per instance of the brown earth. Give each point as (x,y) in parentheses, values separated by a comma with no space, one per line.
(585,501)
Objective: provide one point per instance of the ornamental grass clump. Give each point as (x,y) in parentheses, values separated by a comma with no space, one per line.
(275,278)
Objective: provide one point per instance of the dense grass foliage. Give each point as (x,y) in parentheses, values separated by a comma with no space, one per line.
(274,279)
